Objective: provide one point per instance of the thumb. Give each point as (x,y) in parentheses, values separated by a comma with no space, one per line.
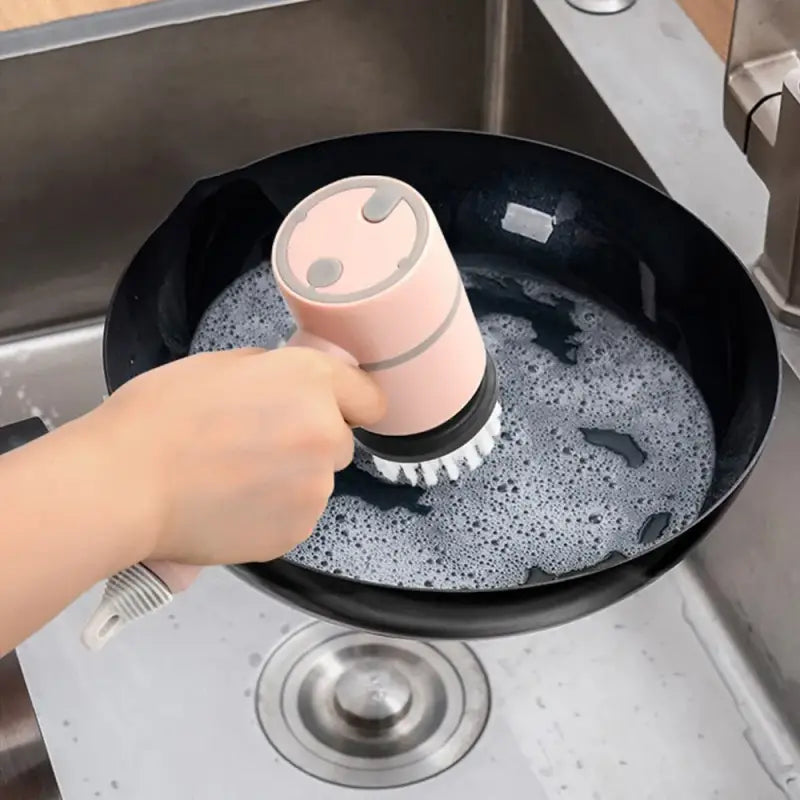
(361,401)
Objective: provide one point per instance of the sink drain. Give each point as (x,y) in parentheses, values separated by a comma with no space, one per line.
(367,711)
(602,6)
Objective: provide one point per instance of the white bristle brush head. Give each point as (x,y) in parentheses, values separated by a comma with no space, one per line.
(467,457)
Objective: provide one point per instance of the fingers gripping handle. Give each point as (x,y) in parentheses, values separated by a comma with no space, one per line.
(142,589)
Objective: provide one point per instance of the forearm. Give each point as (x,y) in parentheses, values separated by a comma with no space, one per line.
(66,523)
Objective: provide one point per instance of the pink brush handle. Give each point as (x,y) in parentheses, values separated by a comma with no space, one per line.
(301,338)
(179,577)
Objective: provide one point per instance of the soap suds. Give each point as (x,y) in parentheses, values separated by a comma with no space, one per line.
(552,498)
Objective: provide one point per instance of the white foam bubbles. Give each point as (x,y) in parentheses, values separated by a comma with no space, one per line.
(547,497)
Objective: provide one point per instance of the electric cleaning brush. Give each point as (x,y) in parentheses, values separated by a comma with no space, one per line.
(367,275)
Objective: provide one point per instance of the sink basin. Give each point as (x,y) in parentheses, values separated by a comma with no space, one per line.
(107,135)
(109,120)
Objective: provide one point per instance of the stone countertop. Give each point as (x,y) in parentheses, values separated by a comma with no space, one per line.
(26,13)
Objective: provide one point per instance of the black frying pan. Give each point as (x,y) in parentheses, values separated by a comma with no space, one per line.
(702,307)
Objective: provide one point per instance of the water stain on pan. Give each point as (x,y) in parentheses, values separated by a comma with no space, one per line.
(607,447)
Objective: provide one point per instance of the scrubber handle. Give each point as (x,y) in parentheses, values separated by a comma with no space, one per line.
(301,338)
(135,592)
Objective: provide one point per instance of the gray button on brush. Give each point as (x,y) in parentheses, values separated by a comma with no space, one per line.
(383,201)
(386,196)
(324,272)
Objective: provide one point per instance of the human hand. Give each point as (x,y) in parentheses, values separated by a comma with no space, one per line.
(230,457)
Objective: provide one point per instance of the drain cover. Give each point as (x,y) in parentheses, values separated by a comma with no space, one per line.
(367,711)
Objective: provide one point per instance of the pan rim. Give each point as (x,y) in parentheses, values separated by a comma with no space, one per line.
(433,594)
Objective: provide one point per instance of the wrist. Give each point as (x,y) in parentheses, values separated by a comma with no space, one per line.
(71,518)
(88,479)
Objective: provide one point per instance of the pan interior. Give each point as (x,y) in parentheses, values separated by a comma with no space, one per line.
(607,450)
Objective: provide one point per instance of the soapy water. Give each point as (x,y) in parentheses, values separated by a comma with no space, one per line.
(607,447)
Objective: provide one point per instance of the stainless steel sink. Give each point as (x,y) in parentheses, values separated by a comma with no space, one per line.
(108,122)
(103,137)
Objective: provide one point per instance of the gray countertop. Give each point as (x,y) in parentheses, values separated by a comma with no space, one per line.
(120,22)
(664,83)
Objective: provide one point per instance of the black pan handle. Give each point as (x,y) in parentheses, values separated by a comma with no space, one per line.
(19,433)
